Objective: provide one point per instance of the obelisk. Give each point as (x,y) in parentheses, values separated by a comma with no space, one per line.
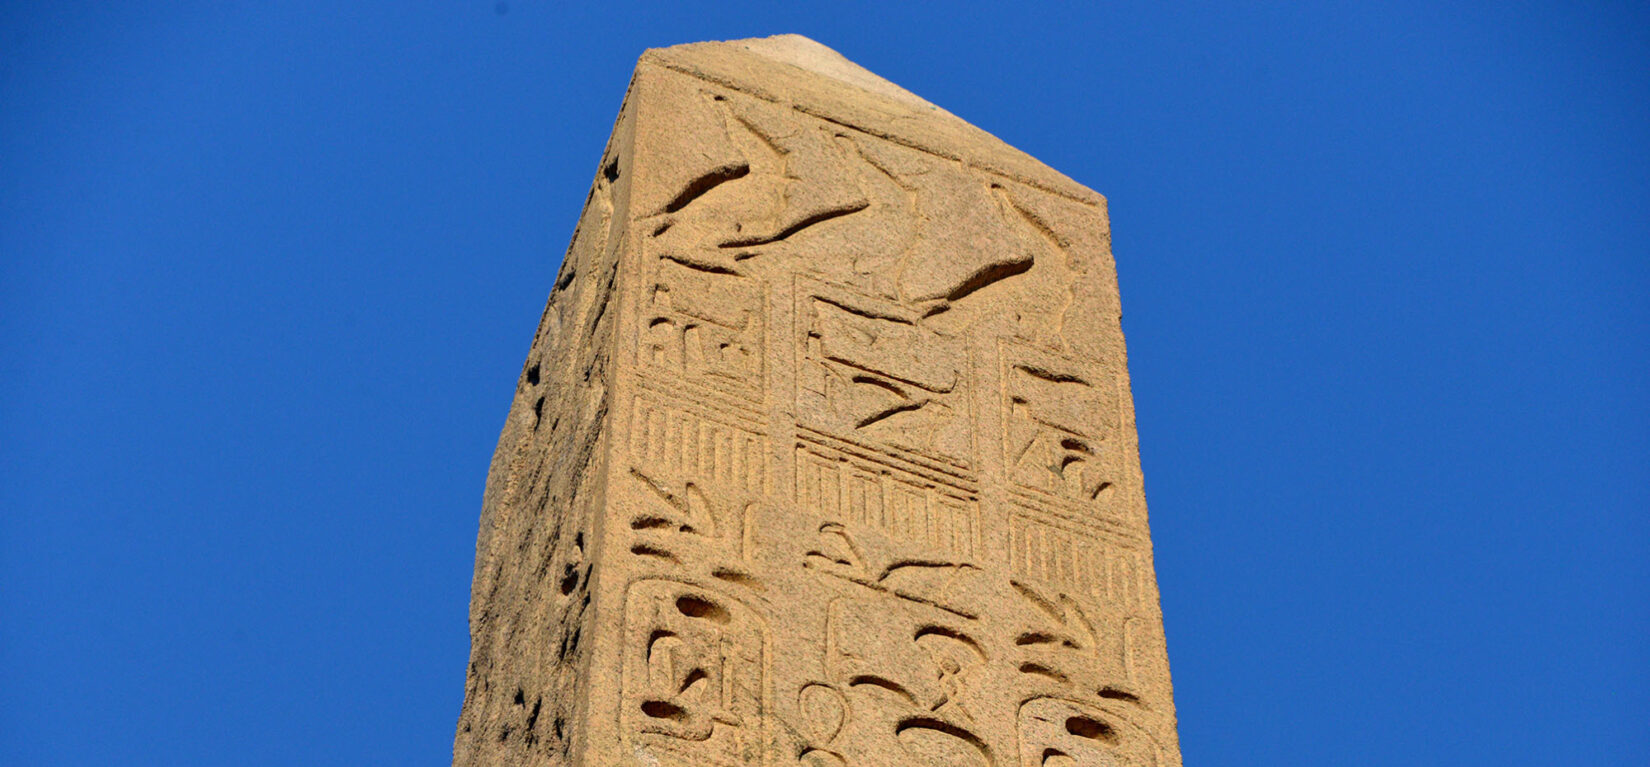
(823,453)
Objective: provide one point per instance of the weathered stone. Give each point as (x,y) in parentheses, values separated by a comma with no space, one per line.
(824,452)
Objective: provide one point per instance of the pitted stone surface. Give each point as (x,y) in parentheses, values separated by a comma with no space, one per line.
(824,452)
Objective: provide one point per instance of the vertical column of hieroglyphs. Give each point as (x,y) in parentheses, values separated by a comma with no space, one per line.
(872,494)
(692,642)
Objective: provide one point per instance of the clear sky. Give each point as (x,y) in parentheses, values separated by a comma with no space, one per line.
(268,272)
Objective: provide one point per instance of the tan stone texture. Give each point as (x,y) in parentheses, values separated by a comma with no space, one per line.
(824,452)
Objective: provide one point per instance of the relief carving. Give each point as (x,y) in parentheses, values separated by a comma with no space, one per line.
(701,439)
(824,710)
(854,473)
(1087,670)
(1009,262)
(1059,732)
(905,676)
(705,326)
(693,688)
(1071,648)
(870,372)
(1060,428)
(882,218)
(766,178)
(1048,549)
(905,502)
(871,560)
(716,518)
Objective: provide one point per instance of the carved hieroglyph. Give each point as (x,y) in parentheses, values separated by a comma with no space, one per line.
(824,452)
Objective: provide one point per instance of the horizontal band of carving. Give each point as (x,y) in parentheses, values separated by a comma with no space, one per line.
(668,435)
(1077,520)
(886,135)
(705,401)
(1077,562)
(1104,517)
(900,504)
(942,475)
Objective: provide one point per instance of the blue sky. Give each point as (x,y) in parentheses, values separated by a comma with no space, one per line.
(268,272)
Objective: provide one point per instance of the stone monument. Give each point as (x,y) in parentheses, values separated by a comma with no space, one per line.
(824,452)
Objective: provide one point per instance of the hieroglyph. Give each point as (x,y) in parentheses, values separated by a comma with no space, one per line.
(824,453)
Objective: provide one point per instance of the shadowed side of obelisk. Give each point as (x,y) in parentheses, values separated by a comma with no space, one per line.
(531,597)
